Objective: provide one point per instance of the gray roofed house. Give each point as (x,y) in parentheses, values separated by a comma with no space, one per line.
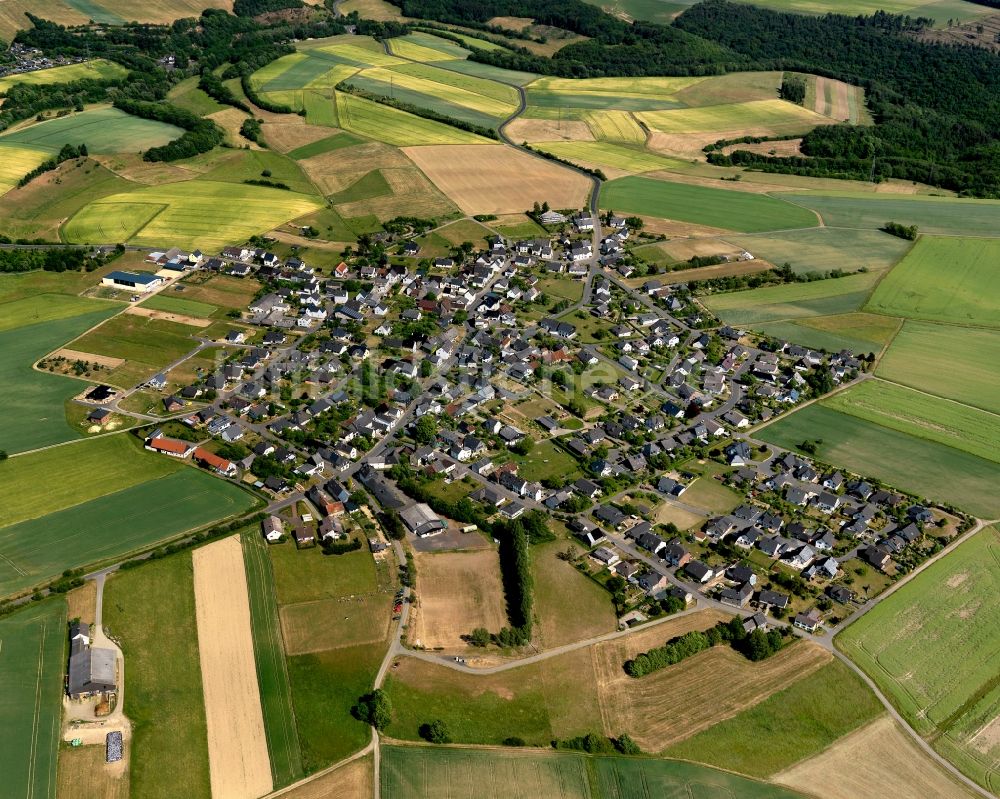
(421,520)
(91,671)
(699,571)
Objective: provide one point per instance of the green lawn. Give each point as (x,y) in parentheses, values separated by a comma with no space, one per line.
(307,575)
(788,726)
(918,465)
(325,685)
(180,305)
(945,280)
(729,210)
(31,408)
(104,130)
(922,352)
(544,459)
(113,525)
(932,647)
(367,187)
(922,416)
(707,492)
(32,652)
(163,691)
(272,671)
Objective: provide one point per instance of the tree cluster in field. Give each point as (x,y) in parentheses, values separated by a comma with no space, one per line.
(908,232)
(435,732)
(595,744)
(212,85)
(251,129)
(723,143)
(200,136)
(67,153)
(271,184)
(793,89)
(757,645)
(340,547)
(374,708)
(420,111)
(62,259)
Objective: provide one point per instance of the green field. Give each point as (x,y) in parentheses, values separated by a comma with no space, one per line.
(923,416)
(480,70)
(823,249)
(858,332)
(944,280)
(32,407)
(788,726)
(195,213)
(187,95)
(617,126)
(48,307)
(933,215)
(16,162)
(420,46)
(272,672)
(104,130)
(933,648)
(793,300)
(775,117)
(98,69)
(252,164)
(731,210)
(546,458)
(915,464)
(389,125)
(32,649)
(113,525)
(180,305)
(602,153)
(922,352)
(163,691)
(335,142)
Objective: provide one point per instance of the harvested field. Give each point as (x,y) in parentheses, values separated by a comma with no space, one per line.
(877,760)
(89,357)
(497,179)
(456,593)
(332,623)
(531,130)
(337,170)
(353,781)
(230,120)
(238,759)
(84,774)
(677,702)
(287,136)
(410,194)
(165,316)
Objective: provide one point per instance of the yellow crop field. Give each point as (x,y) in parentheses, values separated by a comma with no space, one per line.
(657,87)
(613,155)
(449,92)
(776,116)
(418,52)
(15,163)
(617,126)
(275,69)
(98,69)
(196,213)
(382,123)
(470,83)
(331,78)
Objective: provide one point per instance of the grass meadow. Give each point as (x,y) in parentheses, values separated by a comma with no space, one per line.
(32,651)
(951,280)
(729,210)
(922,352)
(163,690)
(823,249)
(924,467)
(335,142)
(98,69)
(32,408)
(858,332)
(933,648)
(922,416)
(103,130)
(272,671)
(113,525)
(787,727)
(180,305)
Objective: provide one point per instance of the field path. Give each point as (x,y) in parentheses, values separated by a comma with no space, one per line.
(237,746)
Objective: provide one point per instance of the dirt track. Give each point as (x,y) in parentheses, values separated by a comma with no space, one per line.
(237,747)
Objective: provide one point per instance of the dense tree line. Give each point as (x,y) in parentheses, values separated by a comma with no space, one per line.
(201,135)
(57,260)
(908,232)
(515,570)
(212,85)
(251,8)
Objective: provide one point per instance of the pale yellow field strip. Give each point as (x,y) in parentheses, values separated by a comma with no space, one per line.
(775,114)
(238,760)
(362,55)
(443,91)
(616,86)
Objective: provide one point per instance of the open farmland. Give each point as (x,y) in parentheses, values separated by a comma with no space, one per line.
(858,332)
(794,723)
(237,748)
(639,778)
(922,415)
(327,624)
(457,592)
(98,69)
(85,774)
(792,300)
(945,280)
(931,646)
(353,780)
(420,46)
(114,525)
(190,214)
(32,646)
(701,205)
(878,760)
(940,10)
(775,117)
(16,162)
(409,772)
(498,179)
(933,215)
(103,130)
(392,126)
(163,687)
(915,464)
(826,248)
(606,154)
(922,352)
(32,410)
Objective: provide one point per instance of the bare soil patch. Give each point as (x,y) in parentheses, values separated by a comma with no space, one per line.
(776,148)
(456,593)
(494,179)
(675,703)
(549,130)
(877,760)
(183,319)
(89,357)
(684,519)
(237,748)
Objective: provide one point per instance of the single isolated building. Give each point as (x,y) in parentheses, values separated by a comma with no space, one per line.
(142,282)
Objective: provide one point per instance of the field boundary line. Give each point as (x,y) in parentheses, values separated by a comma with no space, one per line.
(33,750)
